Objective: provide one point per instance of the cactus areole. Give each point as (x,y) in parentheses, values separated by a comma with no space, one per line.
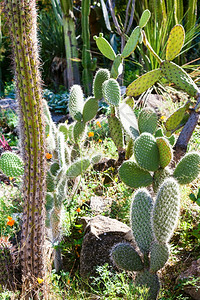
(21,16)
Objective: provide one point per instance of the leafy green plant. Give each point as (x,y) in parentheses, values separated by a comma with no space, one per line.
(58,103)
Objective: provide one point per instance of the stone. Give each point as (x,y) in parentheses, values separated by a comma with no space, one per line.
(101,234)
(193,271)
(8,104)
(100,204)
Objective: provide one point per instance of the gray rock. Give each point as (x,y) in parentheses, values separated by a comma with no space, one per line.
(100,204)
(101,234)
(8,104)
(192,272)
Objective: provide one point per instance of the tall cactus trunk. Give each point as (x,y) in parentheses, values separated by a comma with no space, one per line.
(1,82)
(21,16)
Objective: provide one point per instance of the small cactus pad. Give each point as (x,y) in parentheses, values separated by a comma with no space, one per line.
(166,210)
(79,131)
(50,182)
(147,120)
(177,75)
(158,178)
(172,139)
(125,257)
(175,42)
(141,209)
(142,83)
(90,109)
(116,132)
(75,152)
(188,168)
(117,67)
(128,120)
(174,120)
(49,201)
(11,164)
(76,102)
(144,18)
(99,78)
(63,128)
(158,256)
(111,91)
(96,158)
(132,175)
(129,149)
(54,168)
(77,168)
(130,101)
(104,47)
(150,281)
(165,151)
(159,133)
(132,42)
(146,152)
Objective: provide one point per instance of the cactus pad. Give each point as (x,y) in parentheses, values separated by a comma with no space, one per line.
(125,257)
(132,175)
(166,210)
(96,159)
(165,151)
(159,176)
(146,152)
(142,83)
(188,168)
(159,133)
(77,168)
(116,132)
(99,78)
(111,91)
(132,42)
(175,42)
(11,164)
(177,75)
(158,256)
(144,18)
(49,201)
(128,120)
(63,128)
(147,120)
(104,47)
(90,109)
(54,168)
(149,280)
(174,120)
(117,67)
(76,102)
(129,149)
(79,131)
(141,209)
(50,182)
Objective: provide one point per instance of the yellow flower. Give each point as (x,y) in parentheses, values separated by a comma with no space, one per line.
(40,280)
(163,118)
(10,178)
(90,134)
(99,124)
(78,209)
(100,141)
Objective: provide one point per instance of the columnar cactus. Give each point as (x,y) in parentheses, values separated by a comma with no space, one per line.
(21,16)
(152,225)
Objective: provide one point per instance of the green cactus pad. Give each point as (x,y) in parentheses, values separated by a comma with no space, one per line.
(144,18)
(49,201)
(142,83)
(54,168)
(150,281)
(116,132)
(63,128)
(188,168)
(125,257)
(100,76)
(50,182)
(132,42)
(166,210)
(174,120)
(96,159)
(75,152)
(159,176)
(111,91)
(141,209)
(132,175)
(11,164)
(158,256)
(146,152)
(159,133)
(76,102)
(130,101)
(117,67)
(90,109)
(172,140)
(79,131)
(128,120)
(61,148)
(165,151)
(104,47)
(77,168)
(175,42)
(147,120)
(129,149)
(177,75)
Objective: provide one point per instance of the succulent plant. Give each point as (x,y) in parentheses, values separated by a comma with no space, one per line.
(11,164)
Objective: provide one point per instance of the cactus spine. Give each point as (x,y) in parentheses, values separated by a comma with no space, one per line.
(21,16)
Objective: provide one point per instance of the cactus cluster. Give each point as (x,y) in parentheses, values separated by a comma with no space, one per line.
(152,223)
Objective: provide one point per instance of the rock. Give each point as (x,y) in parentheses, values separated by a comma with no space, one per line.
(101,234)
(100,204)
(8,104)
(192,272)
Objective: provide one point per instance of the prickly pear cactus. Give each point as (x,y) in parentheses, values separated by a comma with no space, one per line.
(117,67)
(174,120)
(104,47)
(76,102)
(116,132)
(99,78)
(90,109)
(111,91)
(150,281)
(132,42)
(144,18)
(165,151)
(11,164)
(147,120)
(175,42)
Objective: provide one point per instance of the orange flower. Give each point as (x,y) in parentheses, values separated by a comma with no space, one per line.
(100,141)
(80,231)
(48,156)
(99,124)
(78,209)
(68,281)
(10,222)
(10,178)
(90,134)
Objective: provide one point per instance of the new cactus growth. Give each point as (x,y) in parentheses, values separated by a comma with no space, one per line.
(11,164)
(152,225)
(76,102)
(104,47)
(132,42)
(99,78)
